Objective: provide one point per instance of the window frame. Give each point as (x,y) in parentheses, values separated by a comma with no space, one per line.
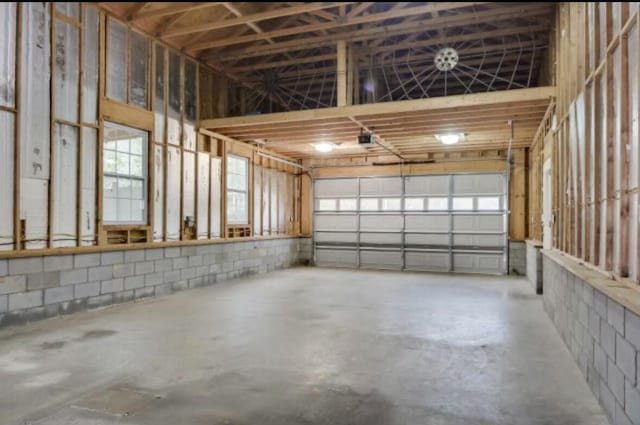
(144,179)
(245,221)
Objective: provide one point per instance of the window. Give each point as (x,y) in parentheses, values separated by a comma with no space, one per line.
(463,204)
(437,204)
(391,204)
(237,190)
(326,205)
(125,175)
(489,203)
(369,204)
(414,204)
(348,204)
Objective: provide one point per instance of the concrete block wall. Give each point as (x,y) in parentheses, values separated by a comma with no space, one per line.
(534,266)
(38,287)
(517,258)
(603,337)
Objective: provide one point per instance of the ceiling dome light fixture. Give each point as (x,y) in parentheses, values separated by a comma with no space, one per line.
(449,138)
(324,147)
(446,59)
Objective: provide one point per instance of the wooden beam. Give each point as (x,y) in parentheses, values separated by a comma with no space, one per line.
(173,9)
(341,76)
(254,17)
(458,101)
(136,9)
(340,22)
(283,63)
(371,33)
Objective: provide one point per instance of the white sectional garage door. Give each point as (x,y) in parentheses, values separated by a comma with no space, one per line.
(452,222)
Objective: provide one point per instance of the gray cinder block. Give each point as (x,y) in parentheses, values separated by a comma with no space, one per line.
(110,258)
(71,277)
(26,265)
(12,284)
(58,262)
(25,300)
(85,290)
(109,286)
(86,260)
(58,295)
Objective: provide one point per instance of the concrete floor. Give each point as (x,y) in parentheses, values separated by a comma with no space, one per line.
(302,346)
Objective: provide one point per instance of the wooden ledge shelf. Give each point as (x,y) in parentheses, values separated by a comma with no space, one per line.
(623,293)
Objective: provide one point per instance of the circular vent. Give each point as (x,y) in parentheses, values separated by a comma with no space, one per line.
(446,59)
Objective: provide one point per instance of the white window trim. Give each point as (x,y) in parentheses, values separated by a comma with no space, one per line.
(144,179)
(246,192)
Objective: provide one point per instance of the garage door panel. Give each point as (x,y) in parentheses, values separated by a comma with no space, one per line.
(336,258)
(381,222)
(336,237)
(336,187)
(427,185)
(381,186)
(478,263)
(478,240)
(381,259)
(427,261)
(416,239)
(480,223)
(470,184)
(427,223)
(451,222)
(336,222)
(381,238)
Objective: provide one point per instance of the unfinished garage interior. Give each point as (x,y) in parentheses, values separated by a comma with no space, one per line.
(356,213)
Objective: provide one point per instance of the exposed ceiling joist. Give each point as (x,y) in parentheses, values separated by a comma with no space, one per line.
(173,9)
(371,33)
(254,17)
(337,23)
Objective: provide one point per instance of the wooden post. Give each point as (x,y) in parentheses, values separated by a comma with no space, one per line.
(341,77)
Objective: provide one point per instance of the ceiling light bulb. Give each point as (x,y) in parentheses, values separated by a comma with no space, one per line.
(323,147)
(449,138)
